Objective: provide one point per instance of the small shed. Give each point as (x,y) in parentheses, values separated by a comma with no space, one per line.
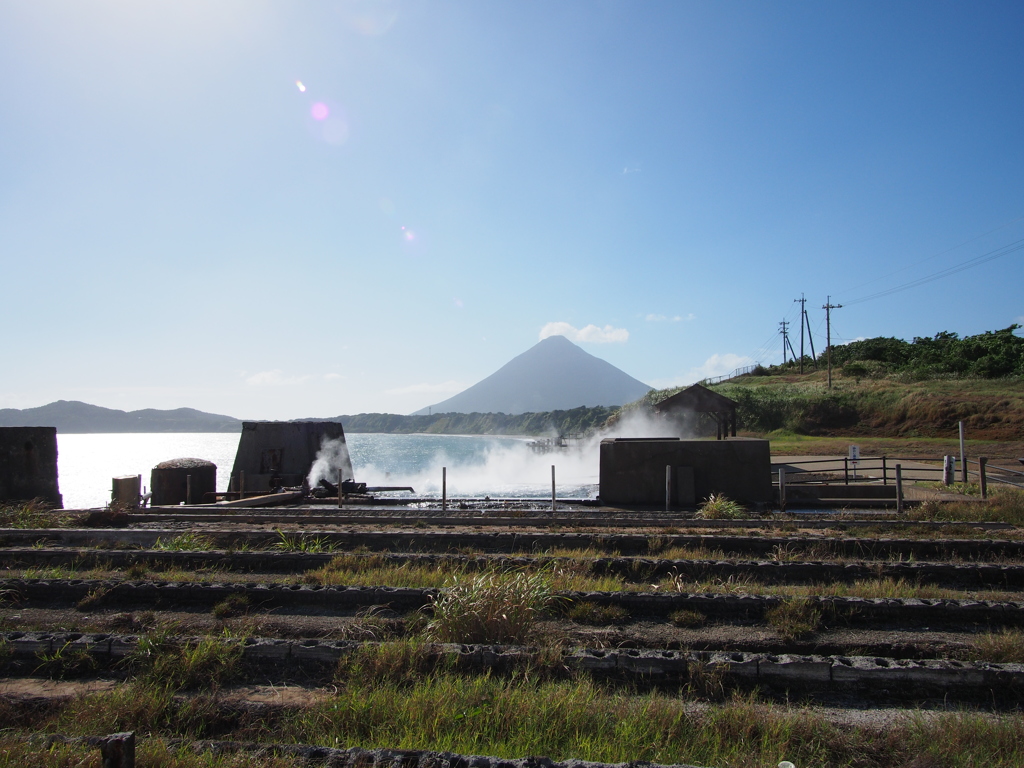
(700,399)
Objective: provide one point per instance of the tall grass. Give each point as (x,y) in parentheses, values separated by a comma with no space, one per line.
(491,608)
(33,514)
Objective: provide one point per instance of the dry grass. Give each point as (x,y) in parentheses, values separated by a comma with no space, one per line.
(490,608)
(793,619)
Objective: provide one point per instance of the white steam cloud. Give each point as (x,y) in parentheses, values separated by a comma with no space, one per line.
(332,456)
(511,469)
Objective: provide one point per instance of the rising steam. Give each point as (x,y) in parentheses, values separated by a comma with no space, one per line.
(332,457)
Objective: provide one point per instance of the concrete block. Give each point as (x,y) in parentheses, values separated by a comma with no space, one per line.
(791,669)
(28,465)
(272,453)
(632,471)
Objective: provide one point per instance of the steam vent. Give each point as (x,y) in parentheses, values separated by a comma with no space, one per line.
(28,464)
(170,482)
(279,453)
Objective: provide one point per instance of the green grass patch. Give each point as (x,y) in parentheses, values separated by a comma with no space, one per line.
(33,514)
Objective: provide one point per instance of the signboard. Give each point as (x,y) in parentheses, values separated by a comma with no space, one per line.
(854,453)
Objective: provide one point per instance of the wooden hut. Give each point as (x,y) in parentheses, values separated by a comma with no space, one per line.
(700,399)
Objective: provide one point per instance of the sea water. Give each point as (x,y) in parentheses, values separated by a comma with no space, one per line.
(476,465)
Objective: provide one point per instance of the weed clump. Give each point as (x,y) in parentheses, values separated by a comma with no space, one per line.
(719,507)
(793,618)
(33,514)
(184,542)
(492,608)
(687,619)
(232,605)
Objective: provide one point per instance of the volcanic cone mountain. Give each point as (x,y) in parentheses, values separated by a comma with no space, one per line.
(553,375)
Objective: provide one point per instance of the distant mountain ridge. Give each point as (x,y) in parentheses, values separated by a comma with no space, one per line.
(553,375)
(73,416)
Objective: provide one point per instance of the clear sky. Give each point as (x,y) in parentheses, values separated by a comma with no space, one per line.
(288,209)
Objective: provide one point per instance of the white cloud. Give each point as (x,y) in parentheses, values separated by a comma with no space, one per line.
(589,333)
(273,378)
(443,388)
(630,169)
(333,376)
(716,365)
(652,318)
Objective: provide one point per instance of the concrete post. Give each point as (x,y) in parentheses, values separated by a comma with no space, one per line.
(117,750)
(125,491)
(963,456)
(782,489)
(982,479)
(899,489)
(668,486)
(444,488)
(948,469)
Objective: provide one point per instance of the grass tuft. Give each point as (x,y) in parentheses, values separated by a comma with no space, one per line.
(491,608)
(586,612)
(793,618)
(719,507)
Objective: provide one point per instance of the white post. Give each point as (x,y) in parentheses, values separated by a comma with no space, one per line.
(782,489)
(552,487)
(963,456)
(444,488)
(339,487)
(668,486)
(899,489)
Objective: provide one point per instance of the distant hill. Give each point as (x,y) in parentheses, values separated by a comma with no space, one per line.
(72,416)
(552,375)
(573,422)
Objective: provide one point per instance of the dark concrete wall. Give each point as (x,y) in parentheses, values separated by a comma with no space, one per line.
(633,471)
(28,464)
(285,450)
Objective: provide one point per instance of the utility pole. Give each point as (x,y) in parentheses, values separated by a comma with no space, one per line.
(810,339)
(829,306)
(785,339)
(801,301)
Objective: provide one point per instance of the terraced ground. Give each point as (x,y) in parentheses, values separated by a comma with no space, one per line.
(419,637)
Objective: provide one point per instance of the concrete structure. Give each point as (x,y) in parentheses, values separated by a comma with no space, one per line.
(276,453)
(697,400)
(28,464)
(169,481)
(633,470)
(126,491)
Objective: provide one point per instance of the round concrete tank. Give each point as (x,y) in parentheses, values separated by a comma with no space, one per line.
(169,481)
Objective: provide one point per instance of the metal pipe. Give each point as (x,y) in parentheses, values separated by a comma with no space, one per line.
(444,488)
(983,481)
(552,487)
(782,489)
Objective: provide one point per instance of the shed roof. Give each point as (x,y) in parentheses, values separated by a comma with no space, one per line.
(697,398)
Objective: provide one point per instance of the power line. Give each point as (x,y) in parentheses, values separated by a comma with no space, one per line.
(974,262)
(940,253)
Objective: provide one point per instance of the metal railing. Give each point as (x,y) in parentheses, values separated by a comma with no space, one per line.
(738,372)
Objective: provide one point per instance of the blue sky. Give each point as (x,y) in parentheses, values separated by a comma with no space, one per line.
(287,209)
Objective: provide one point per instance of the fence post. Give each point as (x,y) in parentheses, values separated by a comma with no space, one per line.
(846,470)
(552,487)
(899,489)
(885,473)
(782,489)
(963,456)
(948,463)
(444,488)
(982,479)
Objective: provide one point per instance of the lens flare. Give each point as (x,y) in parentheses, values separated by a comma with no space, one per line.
(300,86)
(319,111)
